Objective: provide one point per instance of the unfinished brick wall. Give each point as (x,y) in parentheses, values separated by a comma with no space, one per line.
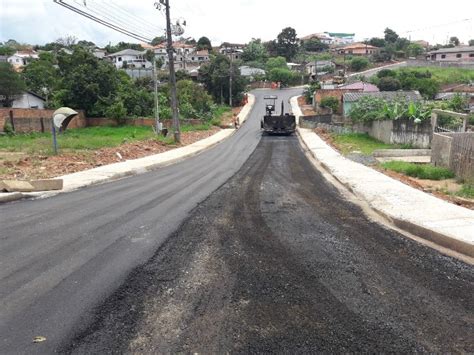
(25,120)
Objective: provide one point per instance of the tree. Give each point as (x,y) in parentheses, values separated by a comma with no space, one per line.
(389,84)
(11,84)
(330,102)
(255,51)
(287,43)
(390,35)
(215,77)
(276,62)
(86,44)
(359,63)
(471,42)
(67,41)
(123,45)
(377,42)
(87,82)
(204,43)
(271,47)
(314,45)
(414,50)
(158,40)
(41,76)
(454,41)
(4,50)
(282,75)
(386,73)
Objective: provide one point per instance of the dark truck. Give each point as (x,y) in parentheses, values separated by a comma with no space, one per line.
(274,124)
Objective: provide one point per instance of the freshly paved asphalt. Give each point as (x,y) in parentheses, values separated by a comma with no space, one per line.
(244,248)
(61,256)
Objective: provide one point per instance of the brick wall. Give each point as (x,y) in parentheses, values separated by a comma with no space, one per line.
(26,120)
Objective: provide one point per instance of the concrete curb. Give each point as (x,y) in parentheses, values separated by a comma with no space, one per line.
(411,210)
(136,166)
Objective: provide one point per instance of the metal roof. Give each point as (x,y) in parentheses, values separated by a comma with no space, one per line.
(126,52)
(454,50)
(386,95)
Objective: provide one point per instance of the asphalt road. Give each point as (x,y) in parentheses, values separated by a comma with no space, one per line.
(273,259)
(61,256)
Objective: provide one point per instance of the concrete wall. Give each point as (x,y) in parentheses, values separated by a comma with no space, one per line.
(427,63)
(313,121)
(25,120)
(454,151)
(401,131)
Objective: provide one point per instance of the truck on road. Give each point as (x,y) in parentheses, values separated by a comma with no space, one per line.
(284,123)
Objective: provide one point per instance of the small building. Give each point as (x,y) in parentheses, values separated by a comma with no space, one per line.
(232,50)
(341,38)
(348,99)
(360,86)
(322,37)
(319,66)
(21,58)
(359,49)
(454,54)
(29,100)
(99,53)
(129,58)
(250,72)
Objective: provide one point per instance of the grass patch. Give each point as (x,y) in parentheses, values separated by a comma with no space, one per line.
(467,190)
(446,75)
(362,142)
(420,171)
(89,138)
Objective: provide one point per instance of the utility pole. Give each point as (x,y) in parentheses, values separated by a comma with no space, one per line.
(174,100)
(230,78)
(157,112)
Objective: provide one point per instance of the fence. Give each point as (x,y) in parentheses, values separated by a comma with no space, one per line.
(456,152)
(429,63)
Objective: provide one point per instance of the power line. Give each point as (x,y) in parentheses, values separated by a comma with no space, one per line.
(122,30)
(110,15)
(138,19)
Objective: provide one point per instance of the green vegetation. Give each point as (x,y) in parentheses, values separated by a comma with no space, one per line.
(420,171)
(467,191)
(359,63)
(444,75)
(330,102)
(372,108)
(362,142)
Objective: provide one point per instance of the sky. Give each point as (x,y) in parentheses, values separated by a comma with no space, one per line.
(238,21)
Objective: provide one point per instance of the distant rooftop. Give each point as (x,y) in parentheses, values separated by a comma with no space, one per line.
(340,34)
(126,52)
(386,95)
(454,50)
(365,87)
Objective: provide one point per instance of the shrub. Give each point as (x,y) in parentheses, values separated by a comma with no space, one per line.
(309,91)
(8,129)
(386,73)
(330,102)
(359,63)
(389,83)
(117,112)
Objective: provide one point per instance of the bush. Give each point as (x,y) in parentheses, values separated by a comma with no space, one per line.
(330,102)
(386,73)
(359,63)
(117,112)
(420,171)
(8,129)
(389,83)
(309,91)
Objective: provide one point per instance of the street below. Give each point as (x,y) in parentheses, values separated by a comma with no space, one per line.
(243,248)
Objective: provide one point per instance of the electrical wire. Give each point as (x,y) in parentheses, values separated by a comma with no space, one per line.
(135,35)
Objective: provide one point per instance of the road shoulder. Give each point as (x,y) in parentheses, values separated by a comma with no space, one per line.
(409,209)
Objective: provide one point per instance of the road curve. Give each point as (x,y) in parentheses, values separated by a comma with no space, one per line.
(61,256)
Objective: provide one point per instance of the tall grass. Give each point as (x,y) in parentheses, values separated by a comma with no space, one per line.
(420,171)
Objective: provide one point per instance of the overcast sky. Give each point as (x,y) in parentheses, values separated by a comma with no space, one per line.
(238,21)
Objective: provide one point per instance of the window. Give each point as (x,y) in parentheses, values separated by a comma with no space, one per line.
(471,55)
(443,56)
(119,59)
(459,55)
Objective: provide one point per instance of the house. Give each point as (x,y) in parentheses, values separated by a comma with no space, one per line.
(99,53)
(129,58)
(341,38)
(360,49)
(21,58)
(360,86)
(3,59)
(348,99)
(232,50)
(322,37)
(319,66)
(250,72)
(29,100)
(455,54)
(186,56)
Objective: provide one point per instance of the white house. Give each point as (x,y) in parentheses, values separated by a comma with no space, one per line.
(29,100)
(130,58)
(186,56)
(21,58)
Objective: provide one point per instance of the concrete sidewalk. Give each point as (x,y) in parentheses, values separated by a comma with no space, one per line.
(410,209)
(136,166)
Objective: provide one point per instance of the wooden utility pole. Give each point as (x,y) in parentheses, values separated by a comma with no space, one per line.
(230,77)
(174,100)
(157,112)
